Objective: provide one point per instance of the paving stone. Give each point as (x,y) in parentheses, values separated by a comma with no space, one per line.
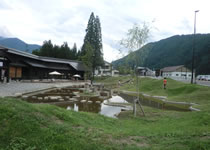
(83,101)
(24,96)
(90,102)
(40,98)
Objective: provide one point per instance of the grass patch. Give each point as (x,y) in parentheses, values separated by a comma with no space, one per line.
(176,91)
(43,126)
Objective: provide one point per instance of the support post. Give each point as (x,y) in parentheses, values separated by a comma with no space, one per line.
(138,96)
(134,107)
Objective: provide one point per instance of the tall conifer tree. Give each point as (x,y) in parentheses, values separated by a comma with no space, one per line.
(94,38)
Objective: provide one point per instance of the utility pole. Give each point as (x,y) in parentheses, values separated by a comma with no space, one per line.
(193,49)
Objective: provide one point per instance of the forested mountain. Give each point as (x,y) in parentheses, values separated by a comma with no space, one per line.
(18,44)
(176,50)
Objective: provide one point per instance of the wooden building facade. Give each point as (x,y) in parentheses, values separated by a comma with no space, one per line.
(15,64)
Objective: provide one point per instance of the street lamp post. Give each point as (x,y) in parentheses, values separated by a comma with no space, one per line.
(193,48)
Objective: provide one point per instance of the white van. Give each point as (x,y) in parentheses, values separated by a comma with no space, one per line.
(199,77)
(207,78)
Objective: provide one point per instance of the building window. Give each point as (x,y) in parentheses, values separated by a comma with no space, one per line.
(177,75)
(106,67)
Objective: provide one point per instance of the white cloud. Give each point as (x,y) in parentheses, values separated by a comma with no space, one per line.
(4,32)
(65,20)
(110,54)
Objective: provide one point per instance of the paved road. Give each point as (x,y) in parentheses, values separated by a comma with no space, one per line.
(12,88)
(205,83)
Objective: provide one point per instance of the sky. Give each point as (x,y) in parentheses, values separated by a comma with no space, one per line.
(35,21)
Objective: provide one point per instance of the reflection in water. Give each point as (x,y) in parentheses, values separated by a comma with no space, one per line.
(71,107)
(94,107)
(76,108)
(106,110)
(110,111)
(116,99)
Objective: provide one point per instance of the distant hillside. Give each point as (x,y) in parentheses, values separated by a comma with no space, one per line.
(18,44)
(176,50)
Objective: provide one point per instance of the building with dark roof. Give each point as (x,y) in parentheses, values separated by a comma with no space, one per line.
(15,64)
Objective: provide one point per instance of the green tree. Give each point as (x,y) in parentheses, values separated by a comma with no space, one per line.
(55,51)
(98,53)
(94,38)
(36,52)
(65,51)
(88,59)
(135,38)
(74,54)
(47,49)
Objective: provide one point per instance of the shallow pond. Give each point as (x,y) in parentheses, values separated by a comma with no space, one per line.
(100,101)
(73,99)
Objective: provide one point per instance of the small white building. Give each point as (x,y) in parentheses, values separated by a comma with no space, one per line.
(176,72)
(106,70)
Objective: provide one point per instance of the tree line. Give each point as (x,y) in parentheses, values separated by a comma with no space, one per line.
(56,51)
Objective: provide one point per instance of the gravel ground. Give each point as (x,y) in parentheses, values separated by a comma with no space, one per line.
(14,88)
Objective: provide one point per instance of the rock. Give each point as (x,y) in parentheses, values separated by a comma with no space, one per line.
(55,97)
(76,96)
(45,98)
(73,99)
(24,96)
(104,94)
(34,97)
(18,94)
(76,100)
(83,101)
(40,98)
(90,102)
(61,99)
(98,102)
(75,93)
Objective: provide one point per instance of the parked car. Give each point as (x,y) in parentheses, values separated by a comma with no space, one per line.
(199,77)
(207,78)
(203,77)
